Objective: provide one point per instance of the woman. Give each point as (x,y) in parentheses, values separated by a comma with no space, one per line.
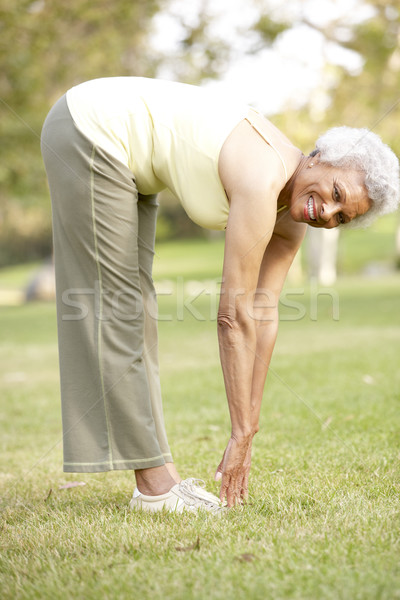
(109,146)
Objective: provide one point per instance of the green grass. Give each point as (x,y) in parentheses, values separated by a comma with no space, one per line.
(190,259)
(375,246)
(324,512)
(17,276)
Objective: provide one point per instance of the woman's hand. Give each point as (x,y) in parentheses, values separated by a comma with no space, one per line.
(234,470)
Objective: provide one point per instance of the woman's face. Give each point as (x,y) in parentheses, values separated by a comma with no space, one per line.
(326,196)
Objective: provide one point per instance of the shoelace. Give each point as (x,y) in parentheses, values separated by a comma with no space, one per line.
(188,489)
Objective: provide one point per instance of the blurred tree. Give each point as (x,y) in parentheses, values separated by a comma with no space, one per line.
(46,46)
(210,38)
(199,54)
(368,97)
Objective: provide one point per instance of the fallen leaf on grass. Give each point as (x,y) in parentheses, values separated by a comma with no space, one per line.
(49,494)
(71,484)
(195,546)
(246,557)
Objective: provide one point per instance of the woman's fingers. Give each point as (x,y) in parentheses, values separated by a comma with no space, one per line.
(246,473)
(220,468)
(232,489)
(231,493)
(234,472)
(244,487)
(224,487)
(228,489)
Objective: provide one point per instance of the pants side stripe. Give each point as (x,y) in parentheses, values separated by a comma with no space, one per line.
(100,315)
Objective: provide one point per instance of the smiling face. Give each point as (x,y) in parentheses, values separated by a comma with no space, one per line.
(326,196)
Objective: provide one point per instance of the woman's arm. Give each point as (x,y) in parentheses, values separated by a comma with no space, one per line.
(248,169)
(237,326)
(276,262)
(237,336)
(252,175)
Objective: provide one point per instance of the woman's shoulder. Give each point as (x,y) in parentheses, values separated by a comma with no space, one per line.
(257,156)
(286,151)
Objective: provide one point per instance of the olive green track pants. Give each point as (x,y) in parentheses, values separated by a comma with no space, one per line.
(104,233)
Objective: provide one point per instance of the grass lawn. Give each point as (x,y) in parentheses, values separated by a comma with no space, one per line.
(323,518)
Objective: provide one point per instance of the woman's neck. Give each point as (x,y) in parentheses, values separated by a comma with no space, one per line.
(284,198)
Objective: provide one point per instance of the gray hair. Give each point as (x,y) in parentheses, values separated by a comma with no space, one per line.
(363,150)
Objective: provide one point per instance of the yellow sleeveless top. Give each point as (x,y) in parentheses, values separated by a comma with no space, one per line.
(168,134)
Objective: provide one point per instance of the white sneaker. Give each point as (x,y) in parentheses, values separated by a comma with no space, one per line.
(189,495)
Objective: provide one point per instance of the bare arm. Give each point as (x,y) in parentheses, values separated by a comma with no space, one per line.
(237,337)
(237,330)
(253,192)
(275,265)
